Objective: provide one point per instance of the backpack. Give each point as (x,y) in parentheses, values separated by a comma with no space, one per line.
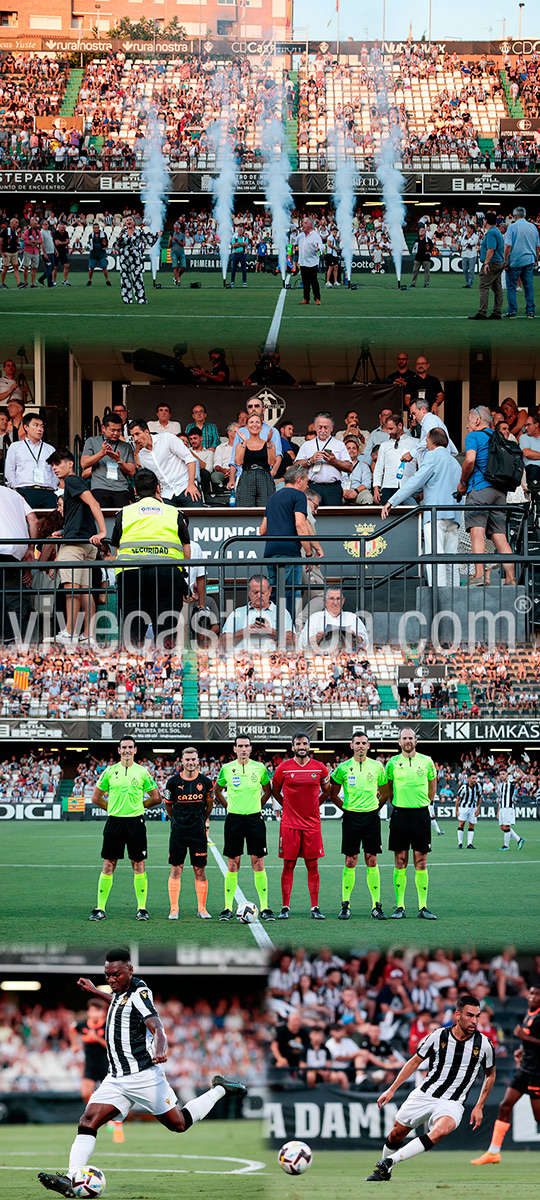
(505,465)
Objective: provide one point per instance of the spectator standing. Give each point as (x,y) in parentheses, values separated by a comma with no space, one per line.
(9,244)
(19,523)
(521,251)
(222,458)
(377,436)
(111,463)
(254,405)
(310,248)
(422,250)
(132,245)
(33,247)
(403,377)
(327,459)
(491,269)
(9,385)
(81,513)
(98,254)
(469,251)
(426,420)
(424,386)
(48,254)
(170,460)
(480,521)
(61,249)
(219,372)
(257,458)
(27,468)
(286,517)
(177,247)
(438,477)
(390,469)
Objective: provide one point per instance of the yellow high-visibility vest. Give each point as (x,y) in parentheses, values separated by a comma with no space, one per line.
(150,530)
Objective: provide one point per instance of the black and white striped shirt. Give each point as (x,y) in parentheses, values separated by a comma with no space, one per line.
(469,795)
(506,790)
(128,1039)
(453,1065)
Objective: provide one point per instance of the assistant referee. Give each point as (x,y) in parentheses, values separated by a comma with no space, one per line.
(243,787)
(362,781)
(412,783)
(130,790)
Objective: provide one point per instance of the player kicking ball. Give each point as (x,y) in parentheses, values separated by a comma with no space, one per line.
(189,804)
(300,785)
(136,1050)
(362,783)
(131,790)
(455,1057)
(525,1082)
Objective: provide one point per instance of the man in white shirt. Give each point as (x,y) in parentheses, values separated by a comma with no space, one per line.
(469,250)
(386,479)
(163,423)
(27,469)
(254,626)
(222,457)
(332,628)
(310,248)
(17,521)
(327,459)
(9,383)
(170,460)
(427,421)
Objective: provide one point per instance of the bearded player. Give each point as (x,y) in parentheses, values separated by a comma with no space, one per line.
(525,1082)
(300,785)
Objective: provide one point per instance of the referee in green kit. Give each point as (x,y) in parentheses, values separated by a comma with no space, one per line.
(130,790)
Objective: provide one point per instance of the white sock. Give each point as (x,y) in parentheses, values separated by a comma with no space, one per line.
(80,1152)
(436,825)
(460,837)
(409,1150)
(514,835)
(387,1151)
(493,1149)
(199,1108)
(507,838)
(470,837)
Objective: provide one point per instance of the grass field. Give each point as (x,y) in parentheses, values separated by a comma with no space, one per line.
(49,878)
(330,336)
(150,1165)
(216,1158)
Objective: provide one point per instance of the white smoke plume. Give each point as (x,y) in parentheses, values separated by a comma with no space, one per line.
(156,184)
(393,184)
(344,200)
(224,183)
(275,174)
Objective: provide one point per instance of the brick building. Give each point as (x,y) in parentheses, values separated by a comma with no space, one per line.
(249,19)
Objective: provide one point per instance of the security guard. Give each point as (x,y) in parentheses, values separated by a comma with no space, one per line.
(155,532)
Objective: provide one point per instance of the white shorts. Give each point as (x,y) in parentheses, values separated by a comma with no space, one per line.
(467,814)
(418,1108)
(149,1089)
(507,816)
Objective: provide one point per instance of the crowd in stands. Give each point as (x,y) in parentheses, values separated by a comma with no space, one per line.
(353,1019)
(40,1052)
(442,111)
(30,777)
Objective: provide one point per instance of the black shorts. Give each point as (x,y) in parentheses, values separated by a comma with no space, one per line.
(182,840)
(361,830)
(240,828)
(124,833)
(410,829)
(528,1085)
(62,257)
(331,261)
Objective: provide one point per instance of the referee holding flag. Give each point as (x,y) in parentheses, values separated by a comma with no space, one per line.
(130,791)
(412,782)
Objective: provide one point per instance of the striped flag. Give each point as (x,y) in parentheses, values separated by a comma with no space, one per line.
(21,678)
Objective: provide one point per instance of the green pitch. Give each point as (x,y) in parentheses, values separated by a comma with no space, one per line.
(151,1164)
(49,875)
(376,313)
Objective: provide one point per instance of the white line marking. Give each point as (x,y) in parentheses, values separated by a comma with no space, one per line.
(259,932)
(251,1165)
(272,338)
(513,862)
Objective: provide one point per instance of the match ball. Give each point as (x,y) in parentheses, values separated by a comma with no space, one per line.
(90,1182)
(295,1157)
(247,912)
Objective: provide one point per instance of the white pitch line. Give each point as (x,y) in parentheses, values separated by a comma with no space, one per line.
(251,1165)
(150,1170)
(259,932)
(271,341)
(513,862)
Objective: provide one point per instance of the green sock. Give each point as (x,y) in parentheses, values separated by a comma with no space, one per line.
(374,884)
(104,886)
(261,883)
(400,883)
(231,880)
(348,880)
(421,879)
(141,889)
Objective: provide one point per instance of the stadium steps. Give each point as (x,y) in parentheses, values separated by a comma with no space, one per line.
(291,127)
(410,238)
(71,94)
(485,143)
(190,687)
(463,695)
(387,697)
(96,141)
(514,110)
